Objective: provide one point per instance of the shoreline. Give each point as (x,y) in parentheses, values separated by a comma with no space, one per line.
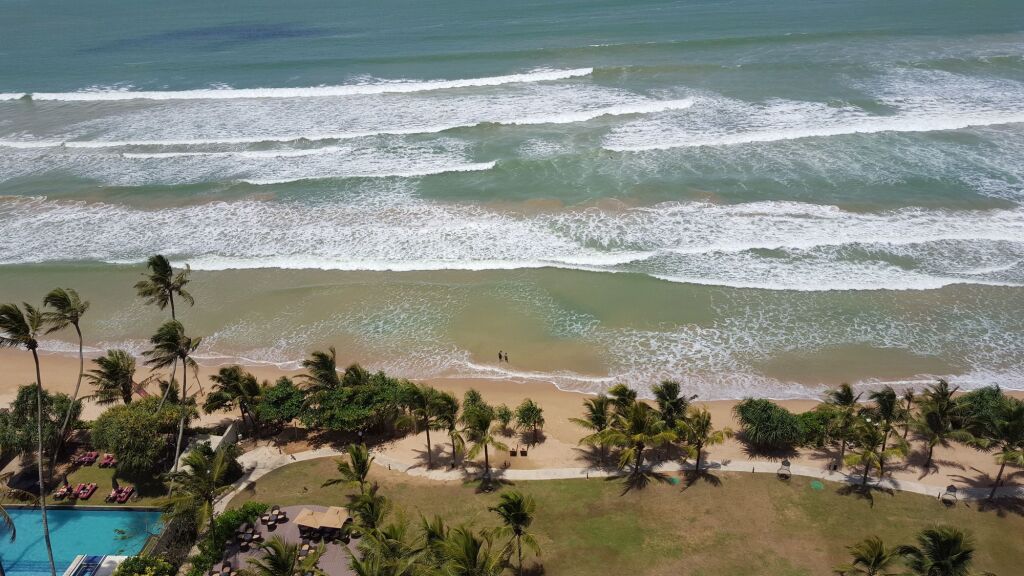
(558,446)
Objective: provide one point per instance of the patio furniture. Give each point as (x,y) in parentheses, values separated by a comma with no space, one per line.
(87,492)
(784,473)
(949,497)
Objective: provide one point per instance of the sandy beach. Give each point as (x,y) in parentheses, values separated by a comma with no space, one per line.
(558,446)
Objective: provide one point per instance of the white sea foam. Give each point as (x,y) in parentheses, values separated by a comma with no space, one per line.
(768,245)
(380,119)
(370,87)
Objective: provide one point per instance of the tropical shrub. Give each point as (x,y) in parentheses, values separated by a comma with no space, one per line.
(18,429)
(280,403)
(768,426)
(211,547)
(137,434)
(814,427)
(145,566)
(371,402)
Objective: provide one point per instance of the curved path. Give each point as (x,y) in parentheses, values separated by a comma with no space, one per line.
(265,459)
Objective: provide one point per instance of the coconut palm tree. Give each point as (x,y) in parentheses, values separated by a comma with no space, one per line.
(623,397)
(171,344)
(941,551)
(868,440)
(909,398)
(467,554)
(481,433)
(870,557)
(369,508)
(529,416)
(114,377)
(597,417)
(671,404)
(448,420)
(20,329)
(355,470)
(198,485)
(162,283)
(889,413)
(281,558)
(392,550)
(697,432)
(937,418)
(843,404)
(425,407)
(68,309)
(1004,432)
(321,371)
(233,387)
(516,513)
(634,430)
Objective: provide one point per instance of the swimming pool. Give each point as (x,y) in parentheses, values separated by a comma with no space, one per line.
(73,532)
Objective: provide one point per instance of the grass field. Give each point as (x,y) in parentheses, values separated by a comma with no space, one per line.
(148,494)
(745,525)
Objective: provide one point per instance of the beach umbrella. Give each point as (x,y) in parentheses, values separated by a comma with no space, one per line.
(334,517)
(308,518)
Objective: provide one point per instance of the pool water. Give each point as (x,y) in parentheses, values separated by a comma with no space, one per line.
(73,532)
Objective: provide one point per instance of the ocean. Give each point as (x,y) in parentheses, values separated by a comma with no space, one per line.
(750,197)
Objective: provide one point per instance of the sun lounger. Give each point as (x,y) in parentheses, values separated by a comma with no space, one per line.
(88,459)
(62,492)
(112,497)
(108,461)
(87,492)
(126,493)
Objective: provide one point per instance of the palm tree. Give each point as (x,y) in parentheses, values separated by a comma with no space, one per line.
(909,398)
(869,447)
(355,470)
(529,416)
(597,417)
(622,397)
(889,412)
(697,432)
(671,405)
(170,344)
(467,554)
(516,513)
(281,558)
(199,484)
(481,433)
(448,420)
(68,311)
(321,371)
(391,550)
(235,388)
(370,508)
(425,407)
(843,402)
(870,557)
(19,330)
(1004,432)
(114,378)
(941,551)
(161,284)
(936,421)
(636,429)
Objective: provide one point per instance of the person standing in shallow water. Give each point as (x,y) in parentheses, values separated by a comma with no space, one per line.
(506,357)
(500,358)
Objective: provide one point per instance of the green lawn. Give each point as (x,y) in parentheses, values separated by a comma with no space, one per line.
(149,493)
(747,525)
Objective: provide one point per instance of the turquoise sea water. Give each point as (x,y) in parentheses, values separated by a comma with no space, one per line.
(750,196)
(73,532)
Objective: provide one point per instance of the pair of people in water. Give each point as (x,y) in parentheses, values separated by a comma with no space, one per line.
(502,357)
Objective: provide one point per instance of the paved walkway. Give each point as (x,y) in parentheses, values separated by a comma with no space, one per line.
(260,461)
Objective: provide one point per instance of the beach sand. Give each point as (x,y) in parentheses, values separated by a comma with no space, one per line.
(558,446)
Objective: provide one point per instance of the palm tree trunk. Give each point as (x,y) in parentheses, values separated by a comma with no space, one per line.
(181,423)
(999,478)
(700,453)
(881,457)
(519,551)
(931,449)
(842,454)
(430,455)
(39,462)
(2,573)
(487,464)
(170,297)
(174,367)
(71,406)
(864,479)
(638,465)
